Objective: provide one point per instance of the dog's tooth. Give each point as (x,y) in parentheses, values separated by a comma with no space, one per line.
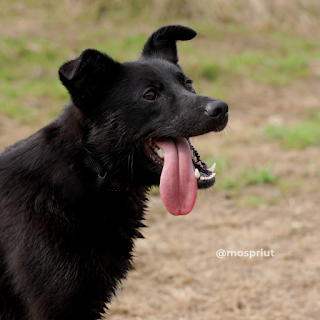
(212,168)
(155,148)
(205,178)
(211,176)
(197,174)
(160,153)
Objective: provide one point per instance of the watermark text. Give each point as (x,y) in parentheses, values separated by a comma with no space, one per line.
(221,253)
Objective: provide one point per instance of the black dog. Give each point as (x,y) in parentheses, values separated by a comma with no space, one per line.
(72,195)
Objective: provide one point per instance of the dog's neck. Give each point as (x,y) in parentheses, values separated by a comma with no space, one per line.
(73,140)
(91,163)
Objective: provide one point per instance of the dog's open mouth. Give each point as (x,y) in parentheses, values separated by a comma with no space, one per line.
(182,174)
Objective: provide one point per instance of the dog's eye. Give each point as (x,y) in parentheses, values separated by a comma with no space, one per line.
(189,86)
(150,95)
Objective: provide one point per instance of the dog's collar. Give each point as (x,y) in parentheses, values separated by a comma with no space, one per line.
(96,167)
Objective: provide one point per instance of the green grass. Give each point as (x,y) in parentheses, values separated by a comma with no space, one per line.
(29,83)
(279,60)
(227,183)
(29,61)
(269,68)
(236,184)
(251,176)
(255,201)
(210,71)
(246,177)
(302,135)
(290,188)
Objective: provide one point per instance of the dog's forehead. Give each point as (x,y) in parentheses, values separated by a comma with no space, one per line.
(154,70)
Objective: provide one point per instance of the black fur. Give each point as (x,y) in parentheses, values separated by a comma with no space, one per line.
(66,234)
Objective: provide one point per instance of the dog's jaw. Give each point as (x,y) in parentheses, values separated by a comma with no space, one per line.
(188,174)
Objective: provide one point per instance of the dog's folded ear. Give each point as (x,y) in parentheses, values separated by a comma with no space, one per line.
(162,43)
(86,75)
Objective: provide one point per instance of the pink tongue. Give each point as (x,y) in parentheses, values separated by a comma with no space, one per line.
(178,185)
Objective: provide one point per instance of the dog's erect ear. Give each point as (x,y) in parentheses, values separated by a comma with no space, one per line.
(87,74)
(162,43)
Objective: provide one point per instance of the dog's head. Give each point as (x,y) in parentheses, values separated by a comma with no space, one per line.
(141,114)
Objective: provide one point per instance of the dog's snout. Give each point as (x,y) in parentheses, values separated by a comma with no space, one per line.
(217,109)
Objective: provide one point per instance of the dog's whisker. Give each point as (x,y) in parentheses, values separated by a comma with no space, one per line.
(229,129)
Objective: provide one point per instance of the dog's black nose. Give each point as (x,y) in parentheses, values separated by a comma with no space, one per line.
(217,109)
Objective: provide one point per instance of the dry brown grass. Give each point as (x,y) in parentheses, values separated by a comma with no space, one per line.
(301,16)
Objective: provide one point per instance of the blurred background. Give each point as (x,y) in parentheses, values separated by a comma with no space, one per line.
(260,56)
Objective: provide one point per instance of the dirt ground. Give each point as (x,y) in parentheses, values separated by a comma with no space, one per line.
(177,273)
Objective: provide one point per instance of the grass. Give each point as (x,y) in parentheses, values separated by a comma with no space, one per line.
(298,15)
(246,177)
(304,134)
(28,78)
(255,201)
(290,188)
(31,88)
(258,176)
(274,68)
(29,61)
(236,184)
(276,59)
